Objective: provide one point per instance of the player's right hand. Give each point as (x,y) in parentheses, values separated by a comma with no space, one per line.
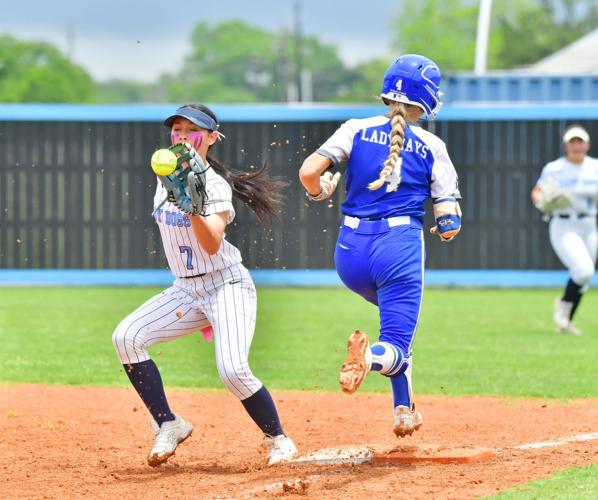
(328,184)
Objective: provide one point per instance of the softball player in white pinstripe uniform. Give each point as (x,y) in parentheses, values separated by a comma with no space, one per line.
(212,289)
(567,191)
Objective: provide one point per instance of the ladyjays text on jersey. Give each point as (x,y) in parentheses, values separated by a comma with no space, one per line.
(382,137)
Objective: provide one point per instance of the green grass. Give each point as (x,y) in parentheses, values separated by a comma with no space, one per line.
(495,342)
(580,483)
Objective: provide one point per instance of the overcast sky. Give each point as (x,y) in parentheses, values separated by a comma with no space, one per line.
(138,40)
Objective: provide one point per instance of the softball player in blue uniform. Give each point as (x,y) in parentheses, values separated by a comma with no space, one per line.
(393,167)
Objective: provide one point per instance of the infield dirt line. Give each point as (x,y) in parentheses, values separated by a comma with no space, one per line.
(547,444)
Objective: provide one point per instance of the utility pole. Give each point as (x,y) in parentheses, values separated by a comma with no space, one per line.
(298,32)
(70,41)
(481,46)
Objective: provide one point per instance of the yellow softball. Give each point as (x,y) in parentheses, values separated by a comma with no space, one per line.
(163,162)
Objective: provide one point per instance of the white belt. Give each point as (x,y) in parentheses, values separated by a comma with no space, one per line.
(353,222)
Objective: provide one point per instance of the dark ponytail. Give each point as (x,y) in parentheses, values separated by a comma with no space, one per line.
(258,190)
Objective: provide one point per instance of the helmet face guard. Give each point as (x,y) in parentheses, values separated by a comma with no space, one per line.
(414,79)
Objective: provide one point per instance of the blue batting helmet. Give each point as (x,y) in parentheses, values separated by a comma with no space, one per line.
(414,79)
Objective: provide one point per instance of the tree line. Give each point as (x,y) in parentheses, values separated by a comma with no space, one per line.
(235,62)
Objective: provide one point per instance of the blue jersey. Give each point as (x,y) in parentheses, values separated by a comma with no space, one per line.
(426,169)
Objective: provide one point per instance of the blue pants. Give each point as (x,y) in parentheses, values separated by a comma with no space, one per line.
(385,266)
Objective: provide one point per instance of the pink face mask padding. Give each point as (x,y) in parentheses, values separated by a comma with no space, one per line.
(193,138)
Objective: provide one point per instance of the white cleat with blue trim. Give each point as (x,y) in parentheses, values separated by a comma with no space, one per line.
(407,421)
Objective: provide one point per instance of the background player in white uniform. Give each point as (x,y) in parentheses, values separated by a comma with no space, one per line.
(212,287)
(567,191)
(393,167)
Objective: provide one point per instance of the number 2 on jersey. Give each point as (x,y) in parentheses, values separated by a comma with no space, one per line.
(189,252)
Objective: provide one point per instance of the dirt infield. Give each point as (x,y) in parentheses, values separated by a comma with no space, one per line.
(66,442)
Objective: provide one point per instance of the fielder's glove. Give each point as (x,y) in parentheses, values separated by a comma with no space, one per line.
(186,186)
(328,183)
(552,197)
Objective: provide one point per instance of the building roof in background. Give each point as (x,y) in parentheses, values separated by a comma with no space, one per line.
(579,57)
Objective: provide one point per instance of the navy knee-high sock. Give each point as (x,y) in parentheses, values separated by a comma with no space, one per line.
(261,409)
(147,381)
(572,294)
(575,304)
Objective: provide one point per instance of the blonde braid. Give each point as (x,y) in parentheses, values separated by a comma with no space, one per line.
(398,114)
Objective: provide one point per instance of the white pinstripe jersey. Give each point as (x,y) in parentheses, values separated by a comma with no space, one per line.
(185,255)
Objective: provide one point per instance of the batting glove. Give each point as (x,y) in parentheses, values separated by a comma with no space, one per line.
(448,218)
(328,183)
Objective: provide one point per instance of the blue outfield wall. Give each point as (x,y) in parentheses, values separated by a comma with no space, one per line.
(473,111)
(465,278)
(469,123)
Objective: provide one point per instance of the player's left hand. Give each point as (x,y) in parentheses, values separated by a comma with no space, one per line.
(552,197)
(186,186)
(448,225)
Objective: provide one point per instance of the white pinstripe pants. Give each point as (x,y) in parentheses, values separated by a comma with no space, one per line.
(575,241)
(225,299)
